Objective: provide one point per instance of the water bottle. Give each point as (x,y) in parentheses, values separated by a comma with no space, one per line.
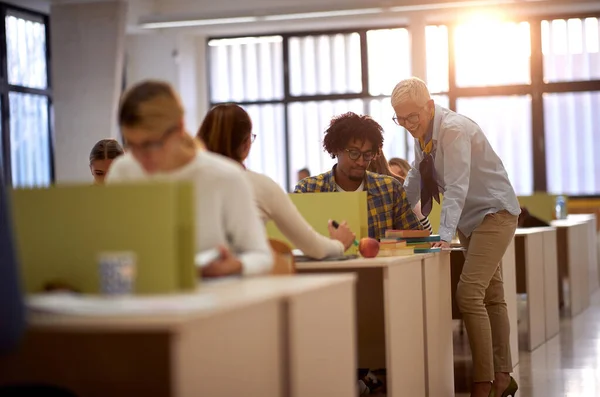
(561,208)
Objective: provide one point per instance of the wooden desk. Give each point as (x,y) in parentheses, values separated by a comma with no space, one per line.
(572,238)
(537,275)
(591,221)
(510,293)
(404,319)
(319,332)
(238,345)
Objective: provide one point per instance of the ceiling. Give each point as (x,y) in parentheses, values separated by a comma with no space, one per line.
(394,12)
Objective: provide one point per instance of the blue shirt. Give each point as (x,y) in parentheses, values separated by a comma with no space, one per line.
(468,171)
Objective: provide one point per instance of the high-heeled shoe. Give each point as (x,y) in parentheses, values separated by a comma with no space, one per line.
(510,390)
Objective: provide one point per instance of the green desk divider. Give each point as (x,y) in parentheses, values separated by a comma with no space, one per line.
(435,215)
(318,208)
(540,204)
(61,230)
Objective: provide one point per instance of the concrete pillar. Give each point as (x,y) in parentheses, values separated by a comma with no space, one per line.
(87,44)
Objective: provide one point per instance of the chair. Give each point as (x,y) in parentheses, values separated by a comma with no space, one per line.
(284,262)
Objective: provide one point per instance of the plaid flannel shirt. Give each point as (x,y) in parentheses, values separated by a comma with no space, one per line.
(386,201)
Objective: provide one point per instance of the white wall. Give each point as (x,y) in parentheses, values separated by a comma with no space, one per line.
(87,63)
(42,6)
(152,56)
(178,59)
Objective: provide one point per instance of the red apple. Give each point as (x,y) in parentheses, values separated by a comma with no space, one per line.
(368,247)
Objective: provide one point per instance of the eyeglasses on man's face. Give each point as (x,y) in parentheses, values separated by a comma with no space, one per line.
(411,119)
(355,154)
(252,138)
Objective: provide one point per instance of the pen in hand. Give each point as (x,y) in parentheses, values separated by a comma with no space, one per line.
(336,225)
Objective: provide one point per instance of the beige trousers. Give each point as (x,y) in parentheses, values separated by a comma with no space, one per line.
(480,295)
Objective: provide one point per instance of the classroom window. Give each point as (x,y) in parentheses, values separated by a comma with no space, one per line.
(26,50)
(25,93)
(325,64)
(492,53)
(571,49)
(268,149)
(506,122)
(29,140)
(388,59)
(395,138)
(246,69)
(436,50)
(573,164)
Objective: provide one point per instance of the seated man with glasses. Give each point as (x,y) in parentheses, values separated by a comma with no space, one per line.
(356,140)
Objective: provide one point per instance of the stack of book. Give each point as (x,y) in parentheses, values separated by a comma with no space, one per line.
(418,241)
(394,247)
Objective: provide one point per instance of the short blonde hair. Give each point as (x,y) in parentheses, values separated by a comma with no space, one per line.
(413,90)
(155,107)
(151,105)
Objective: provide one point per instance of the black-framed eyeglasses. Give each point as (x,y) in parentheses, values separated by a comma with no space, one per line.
(150,146)
(252,138)
(355,154)
(411,119)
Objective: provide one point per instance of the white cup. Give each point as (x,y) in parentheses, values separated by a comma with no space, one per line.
(117,272)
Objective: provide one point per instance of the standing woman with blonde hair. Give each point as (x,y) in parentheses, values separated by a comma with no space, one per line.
(453,156)
(159,148)
(227,130)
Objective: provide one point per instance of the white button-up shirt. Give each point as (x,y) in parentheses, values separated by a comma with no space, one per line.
(470,174)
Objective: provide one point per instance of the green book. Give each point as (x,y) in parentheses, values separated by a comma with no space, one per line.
(61,230)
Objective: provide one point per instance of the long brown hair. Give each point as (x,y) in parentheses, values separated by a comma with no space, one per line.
(224,129)
(153,106)
(381,166)
(105,149)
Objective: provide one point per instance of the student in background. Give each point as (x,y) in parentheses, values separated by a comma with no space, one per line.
(159,148)
(399,166)
(303,173)
(101,157)
(227,130)
(381,166)
(355,141)
(453,155)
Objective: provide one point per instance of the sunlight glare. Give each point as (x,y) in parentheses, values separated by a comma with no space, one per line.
(490,52)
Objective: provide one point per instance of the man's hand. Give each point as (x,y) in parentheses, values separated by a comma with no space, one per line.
(228,264)
(441,244)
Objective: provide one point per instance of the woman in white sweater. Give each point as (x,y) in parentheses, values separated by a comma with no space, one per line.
(159,148)
(227,130)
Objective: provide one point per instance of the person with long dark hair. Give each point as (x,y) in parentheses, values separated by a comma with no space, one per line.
(227,130)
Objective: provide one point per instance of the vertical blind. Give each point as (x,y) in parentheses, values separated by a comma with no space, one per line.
(29,136)
(571,52)
(326,78)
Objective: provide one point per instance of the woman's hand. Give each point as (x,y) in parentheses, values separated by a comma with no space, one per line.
(342,234)
(441,244)
(227,264)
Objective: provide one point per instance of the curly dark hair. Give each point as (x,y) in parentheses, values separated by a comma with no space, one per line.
(348,127)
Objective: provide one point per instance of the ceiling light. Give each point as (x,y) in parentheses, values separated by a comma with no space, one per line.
(197,22)
(322,14)
(245,40)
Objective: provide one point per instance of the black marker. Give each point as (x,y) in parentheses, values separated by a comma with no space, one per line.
(336,225)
